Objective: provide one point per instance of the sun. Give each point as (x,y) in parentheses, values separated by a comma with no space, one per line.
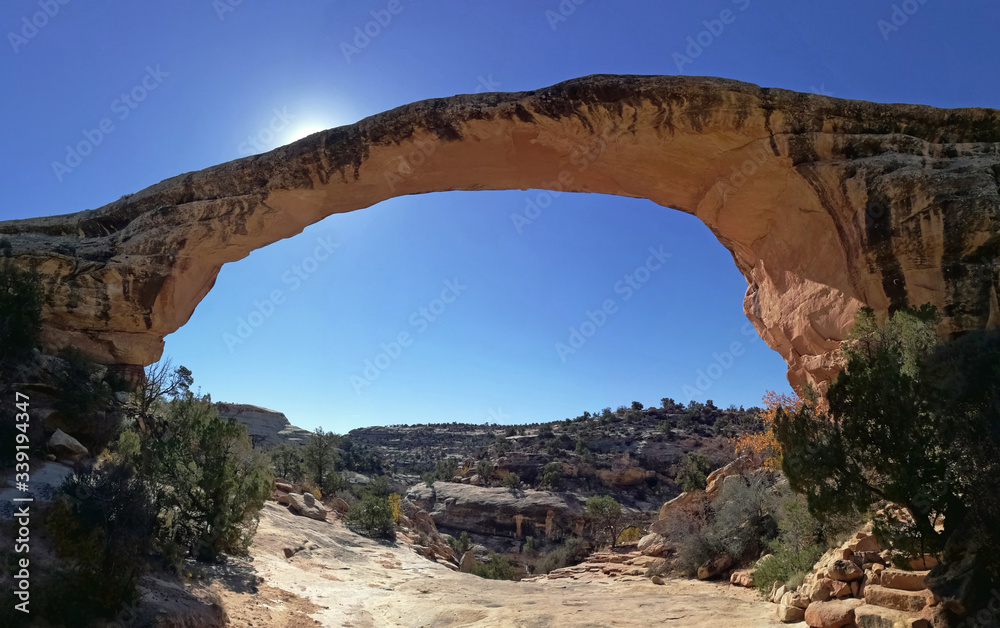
(304,131)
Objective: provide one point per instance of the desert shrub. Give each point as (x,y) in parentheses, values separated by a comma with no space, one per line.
(496,567)
(372,517)
(785,564)
(571,552)
(462,544)
(211,483)
(484,469)
(630,534)
(551,475)
(744,523)
(529,546)
(510,480)
(102,527)
(396,504)
(444,470)
(692,471)
(740,522)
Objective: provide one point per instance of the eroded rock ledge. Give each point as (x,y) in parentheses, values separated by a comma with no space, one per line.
(825,204)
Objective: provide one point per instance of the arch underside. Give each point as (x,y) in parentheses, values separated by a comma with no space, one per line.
(825,204)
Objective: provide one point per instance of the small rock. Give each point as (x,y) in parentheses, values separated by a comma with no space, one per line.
(656,580)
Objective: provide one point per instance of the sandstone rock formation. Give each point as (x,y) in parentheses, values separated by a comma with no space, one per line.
(826,204)
(494,511)
(267,428)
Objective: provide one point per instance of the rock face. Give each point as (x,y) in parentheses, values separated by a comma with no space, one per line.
(495,511)
(826,204)
(266,428)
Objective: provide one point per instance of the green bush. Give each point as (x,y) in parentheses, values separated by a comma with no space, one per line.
(211,482)
(786,565)
(607,517)
(692,472)
(372,517)
(496,567)
(511,480)
(102,527)
(551,475)
(571,552)
(462,544)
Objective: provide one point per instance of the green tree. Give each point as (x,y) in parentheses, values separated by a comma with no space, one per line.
(607,516)
(287,462)
(910,422)
(320,455)
(693,470)
(210,481)
(551,475)
(161,382)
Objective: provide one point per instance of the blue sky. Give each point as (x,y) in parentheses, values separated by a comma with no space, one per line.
(183,85)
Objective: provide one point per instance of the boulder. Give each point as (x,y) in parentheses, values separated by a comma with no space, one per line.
(832,614)
(906,601)
(468,562)
(341,506)
(715,566)
(652,544)
(845,571)
(742,578)
(306,505)
(904,580)
(62,445)
(716,478)
(790,614)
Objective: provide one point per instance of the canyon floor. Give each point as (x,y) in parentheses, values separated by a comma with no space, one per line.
(341,579)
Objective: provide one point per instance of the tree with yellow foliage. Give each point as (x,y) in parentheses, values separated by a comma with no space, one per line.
(762,446)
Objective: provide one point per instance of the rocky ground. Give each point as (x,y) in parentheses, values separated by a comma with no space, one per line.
(341,579)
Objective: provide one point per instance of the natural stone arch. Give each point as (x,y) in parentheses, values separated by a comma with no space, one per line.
(825,204)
